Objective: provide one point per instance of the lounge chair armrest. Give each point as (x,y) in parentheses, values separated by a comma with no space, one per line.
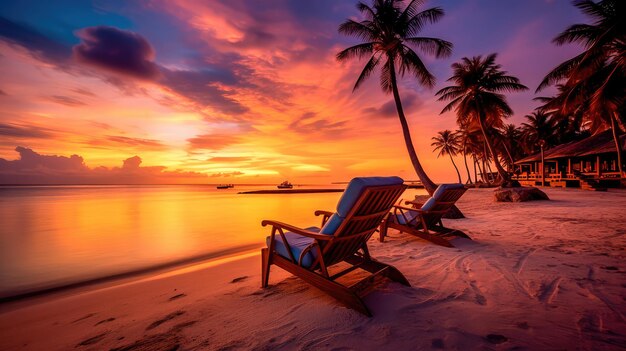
(407,208)
(325,213)
(296,230)
(414,203)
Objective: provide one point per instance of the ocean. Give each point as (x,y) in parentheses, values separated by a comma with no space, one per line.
(55,236)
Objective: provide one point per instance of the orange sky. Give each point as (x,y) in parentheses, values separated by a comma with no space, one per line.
(281,106)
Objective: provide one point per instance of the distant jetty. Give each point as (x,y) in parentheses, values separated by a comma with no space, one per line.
(292,191)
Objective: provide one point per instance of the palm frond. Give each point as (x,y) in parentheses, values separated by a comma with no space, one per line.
(357,51)
(367,71)
(437,47)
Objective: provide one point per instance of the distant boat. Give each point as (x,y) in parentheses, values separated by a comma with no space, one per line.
(285,185)
(225,186)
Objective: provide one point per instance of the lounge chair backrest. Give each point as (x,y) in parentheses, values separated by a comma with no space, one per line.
(444,197)
(360,211)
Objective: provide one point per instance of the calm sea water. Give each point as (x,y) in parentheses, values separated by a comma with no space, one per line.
(57,235)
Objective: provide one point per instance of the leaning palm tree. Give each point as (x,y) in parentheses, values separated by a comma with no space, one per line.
(510,135)
(448,143)
(476,97)
(596,78)
(390,34)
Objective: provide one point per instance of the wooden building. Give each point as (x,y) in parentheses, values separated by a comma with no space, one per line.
(590,163)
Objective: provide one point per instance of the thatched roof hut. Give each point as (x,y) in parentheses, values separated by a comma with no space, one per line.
(600,143)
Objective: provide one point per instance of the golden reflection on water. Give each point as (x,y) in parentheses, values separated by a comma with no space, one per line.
(57,235)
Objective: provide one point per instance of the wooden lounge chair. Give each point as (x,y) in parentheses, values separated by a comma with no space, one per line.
(424,220)
(309,253)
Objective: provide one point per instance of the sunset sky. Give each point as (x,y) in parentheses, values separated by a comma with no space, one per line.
(235,91)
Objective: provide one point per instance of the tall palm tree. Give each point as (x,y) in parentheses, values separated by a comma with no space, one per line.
(510,136)
(447,143)
(465,140)
(477,99)
(540,129)
(390,34)
(596,78)
(569,119)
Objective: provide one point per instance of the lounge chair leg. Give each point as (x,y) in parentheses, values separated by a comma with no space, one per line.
(265,269)
(383,230)
(394,274)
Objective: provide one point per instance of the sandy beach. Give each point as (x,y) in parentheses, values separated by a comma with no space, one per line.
(538,275)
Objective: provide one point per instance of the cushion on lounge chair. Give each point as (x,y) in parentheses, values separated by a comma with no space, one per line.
(297,243)
(350,196)
(428,205)
(332,224)
(409,216)
(355,188)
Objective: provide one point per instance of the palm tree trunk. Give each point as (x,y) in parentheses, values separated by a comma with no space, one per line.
(485,159)
(481,169)
(456,168)
(475,173)
(618,145)
(503,174)
(469,176)
(509,154)
(429,185)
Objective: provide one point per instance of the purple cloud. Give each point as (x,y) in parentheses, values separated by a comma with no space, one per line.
(307,123)
(24,131)
(34,168)
(116,50)
(411,103)
(38,44)
(66,100)
(212,141)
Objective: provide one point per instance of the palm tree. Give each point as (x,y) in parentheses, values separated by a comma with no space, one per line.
(596,78)
(540,129)
(390,34)
(510,136)
(465,140)
(448,143)
(477,99)
(569,120)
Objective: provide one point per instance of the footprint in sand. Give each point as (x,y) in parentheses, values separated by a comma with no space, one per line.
(84,317)
(239,279)
(496,338)
(165,319)
(92,340)
(176,297)
(437,344)
(105,321)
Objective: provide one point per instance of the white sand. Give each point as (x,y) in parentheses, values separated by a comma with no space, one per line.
(538,275)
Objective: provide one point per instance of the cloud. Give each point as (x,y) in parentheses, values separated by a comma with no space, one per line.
(307,123)
(212,141)
(2,92)
(411,103)
(24,131)
(203,86)
(40,45)
(124,141)
(229,159)
(117,50)
(34,168)
(66,100)
(226,174)
(83,91)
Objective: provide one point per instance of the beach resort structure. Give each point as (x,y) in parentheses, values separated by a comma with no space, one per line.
(590,164)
